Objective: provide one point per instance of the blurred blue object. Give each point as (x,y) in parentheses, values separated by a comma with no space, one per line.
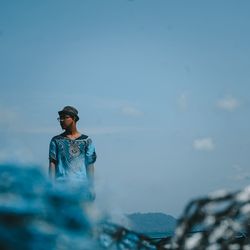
(34,214)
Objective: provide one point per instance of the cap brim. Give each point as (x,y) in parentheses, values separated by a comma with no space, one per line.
(63,112)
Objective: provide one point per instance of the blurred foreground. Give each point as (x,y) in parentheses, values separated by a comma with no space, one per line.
(36,215)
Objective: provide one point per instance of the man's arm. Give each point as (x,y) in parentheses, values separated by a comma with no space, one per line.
(90,158)
(52,159)
(52,170)
(90,174)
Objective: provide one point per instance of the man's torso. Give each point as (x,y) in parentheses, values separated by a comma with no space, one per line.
(70,157)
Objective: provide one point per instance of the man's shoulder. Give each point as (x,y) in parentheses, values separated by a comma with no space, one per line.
(62,136)
(83,137)
(57,137)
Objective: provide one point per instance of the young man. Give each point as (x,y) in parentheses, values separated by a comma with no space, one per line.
(71,154)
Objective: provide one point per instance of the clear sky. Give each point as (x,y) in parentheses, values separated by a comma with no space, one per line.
(161,86)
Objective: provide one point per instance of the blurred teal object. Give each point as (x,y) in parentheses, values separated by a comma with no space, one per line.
(34,214)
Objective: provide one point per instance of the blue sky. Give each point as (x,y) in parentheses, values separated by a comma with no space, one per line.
(161,86)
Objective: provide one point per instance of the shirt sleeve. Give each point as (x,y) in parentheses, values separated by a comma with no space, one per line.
(52,151)
(90,154)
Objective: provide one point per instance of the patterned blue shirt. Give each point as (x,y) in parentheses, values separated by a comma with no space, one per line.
(72,157)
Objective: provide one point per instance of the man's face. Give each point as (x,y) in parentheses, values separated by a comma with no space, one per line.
(65,121)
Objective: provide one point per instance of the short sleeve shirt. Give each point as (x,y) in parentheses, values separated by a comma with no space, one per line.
(72,157)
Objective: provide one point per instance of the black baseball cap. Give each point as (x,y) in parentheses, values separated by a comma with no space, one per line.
(69,110)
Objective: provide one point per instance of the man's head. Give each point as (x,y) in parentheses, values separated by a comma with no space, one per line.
(67,116)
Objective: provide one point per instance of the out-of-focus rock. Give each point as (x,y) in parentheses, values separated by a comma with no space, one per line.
(36,215)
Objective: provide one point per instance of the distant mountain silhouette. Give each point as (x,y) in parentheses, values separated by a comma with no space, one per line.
(152,223)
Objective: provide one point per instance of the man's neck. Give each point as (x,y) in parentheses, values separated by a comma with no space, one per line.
(72,132)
